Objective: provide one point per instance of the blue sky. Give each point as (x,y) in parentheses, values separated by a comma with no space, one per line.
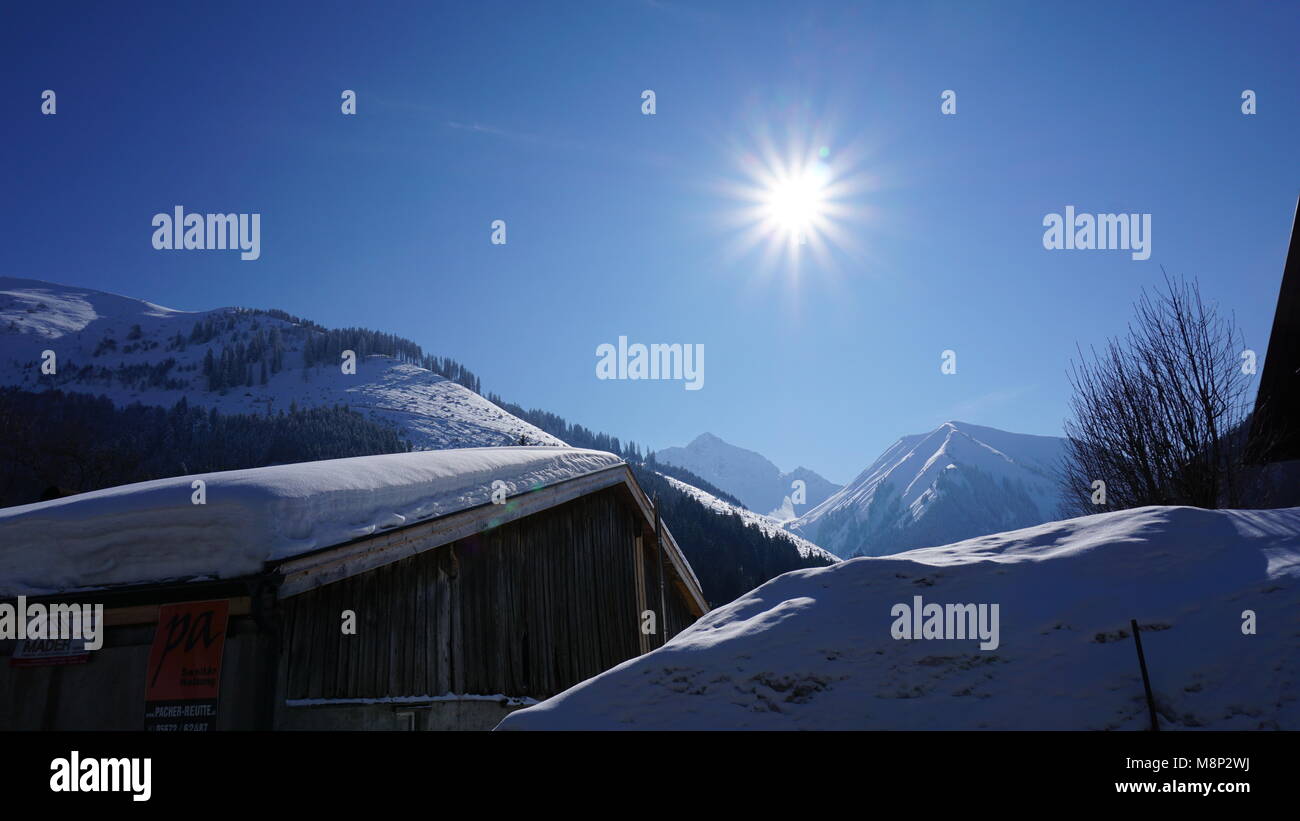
(625,224)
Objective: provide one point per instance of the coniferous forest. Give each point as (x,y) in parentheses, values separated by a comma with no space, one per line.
(57,444)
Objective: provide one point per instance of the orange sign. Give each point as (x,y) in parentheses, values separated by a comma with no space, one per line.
(184,675)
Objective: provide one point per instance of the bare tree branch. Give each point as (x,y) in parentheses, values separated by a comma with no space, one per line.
(1158,416)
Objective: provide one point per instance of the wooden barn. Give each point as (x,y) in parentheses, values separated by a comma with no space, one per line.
(430,590)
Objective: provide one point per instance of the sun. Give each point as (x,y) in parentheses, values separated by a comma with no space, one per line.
(795,205)
(795,201)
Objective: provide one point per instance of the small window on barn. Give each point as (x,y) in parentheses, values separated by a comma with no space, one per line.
(405,720)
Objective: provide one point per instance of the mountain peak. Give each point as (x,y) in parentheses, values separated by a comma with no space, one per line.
(955,482)
(706,438)
(969,428)
(747,475)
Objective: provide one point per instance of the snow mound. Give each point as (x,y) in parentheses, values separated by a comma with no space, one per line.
(812,649)
(152,531)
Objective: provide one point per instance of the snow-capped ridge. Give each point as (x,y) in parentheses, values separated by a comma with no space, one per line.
(956,481)
(769,526)
(747,475)
(97,335)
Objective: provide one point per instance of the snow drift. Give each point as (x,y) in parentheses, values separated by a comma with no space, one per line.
(812,649)
(152,531)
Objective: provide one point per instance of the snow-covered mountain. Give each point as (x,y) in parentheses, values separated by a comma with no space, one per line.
(955,482)
(748,476)
(821,649)
(134,351)
(766,524)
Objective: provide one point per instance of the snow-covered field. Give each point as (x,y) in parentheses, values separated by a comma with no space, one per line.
(153,531)
(812,649)
(769,526)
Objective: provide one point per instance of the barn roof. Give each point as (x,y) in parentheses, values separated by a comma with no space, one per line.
(154,531)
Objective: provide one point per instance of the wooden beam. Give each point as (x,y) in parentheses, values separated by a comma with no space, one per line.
(639,568)
(148,613)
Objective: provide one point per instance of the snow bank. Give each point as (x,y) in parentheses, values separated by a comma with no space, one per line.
(151,531)
(812,649)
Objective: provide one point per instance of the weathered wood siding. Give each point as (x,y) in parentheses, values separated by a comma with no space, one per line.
(679,615)
(526,609)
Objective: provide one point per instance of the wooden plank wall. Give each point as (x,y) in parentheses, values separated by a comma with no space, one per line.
(679,615)
(527,609)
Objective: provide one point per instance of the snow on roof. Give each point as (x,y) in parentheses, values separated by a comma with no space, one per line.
(816,649)
(152,531)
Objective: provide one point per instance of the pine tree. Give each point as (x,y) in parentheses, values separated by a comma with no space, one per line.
(277,351)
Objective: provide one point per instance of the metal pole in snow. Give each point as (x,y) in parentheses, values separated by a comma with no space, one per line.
(1146,682)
